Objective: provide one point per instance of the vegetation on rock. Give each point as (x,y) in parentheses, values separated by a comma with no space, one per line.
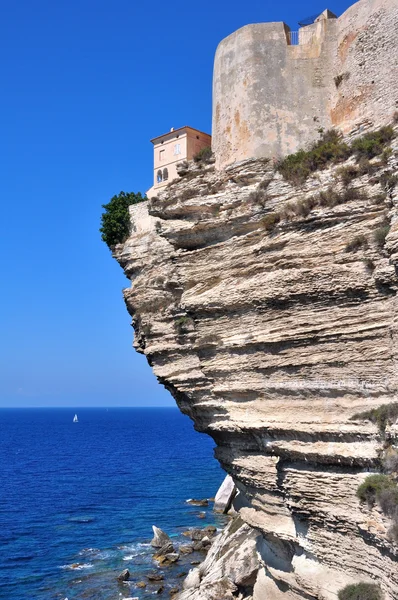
(115,221)
(360,591)
(369,491)
(356,243)
(331,149)
(380,235)
(384,414)
(183,324)
(204,155)
(373,143)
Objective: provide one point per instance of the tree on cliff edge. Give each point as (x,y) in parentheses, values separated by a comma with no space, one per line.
(115,221)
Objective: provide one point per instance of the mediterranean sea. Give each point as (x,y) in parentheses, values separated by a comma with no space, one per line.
(77,500)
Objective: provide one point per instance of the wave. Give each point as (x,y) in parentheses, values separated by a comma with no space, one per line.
(77,566)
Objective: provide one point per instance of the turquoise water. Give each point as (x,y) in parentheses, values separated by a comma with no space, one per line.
(77,501)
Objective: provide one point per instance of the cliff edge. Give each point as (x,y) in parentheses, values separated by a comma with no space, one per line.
(269,312)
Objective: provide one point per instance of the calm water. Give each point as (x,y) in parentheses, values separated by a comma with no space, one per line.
(77,501)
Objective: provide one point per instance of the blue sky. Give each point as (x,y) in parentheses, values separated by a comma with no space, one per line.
(84,85)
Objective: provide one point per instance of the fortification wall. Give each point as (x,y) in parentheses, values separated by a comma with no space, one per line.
(270,98)
(366,53)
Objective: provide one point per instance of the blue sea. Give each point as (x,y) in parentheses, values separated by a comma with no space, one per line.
(77,500)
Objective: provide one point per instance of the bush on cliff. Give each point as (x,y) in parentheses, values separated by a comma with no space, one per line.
(328,149)
(331,149)
(115,221)
(360,591)
(382,415)
(204,155)
(373,143)
(371,489)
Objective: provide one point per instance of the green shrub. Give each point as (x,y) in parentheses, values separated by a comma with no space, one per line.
(269,221)
(380,235)
(369,491)
(347,174)
(115,221)
(373,143)
(328,149)
(264,184)
(331,148)
(388,500)
(379,198)
(331,198)
(183,324)
(257,197)
(303,207)
(204,155)
(388,180)
(390,461)
(365,167)
(356,243)
(384,414)
(386,155)
(360,591)
(351,193)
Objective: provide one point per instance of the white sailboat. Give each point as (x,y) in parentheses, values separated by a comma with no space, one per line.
(75,419)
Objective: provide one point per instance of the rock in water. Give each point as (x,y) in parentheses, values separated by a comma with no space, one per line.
(172,557)
(141,584)
(166,549)
(155,577)
(197,502)
(160,538)
(186,549)
(124,575)
(225,495)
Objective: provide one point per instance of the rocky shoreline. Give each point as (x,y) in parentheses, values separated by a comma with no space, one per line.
(181,562)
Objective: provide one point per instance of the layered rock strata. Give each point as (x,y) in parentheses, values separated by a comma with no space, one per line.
(271,336)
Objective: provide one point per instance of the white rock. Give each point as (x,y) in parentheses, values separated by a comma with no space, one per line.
(160,538)
(225,495)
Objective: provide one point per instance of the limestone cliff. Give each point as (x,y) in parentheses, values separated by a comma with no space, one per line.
(270,335)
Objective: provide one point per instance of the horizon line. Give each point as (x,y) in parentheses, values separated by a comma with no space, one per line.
(101,406)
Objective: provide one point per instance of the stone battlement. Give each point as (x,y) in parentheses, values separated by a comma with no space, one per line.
(271,95)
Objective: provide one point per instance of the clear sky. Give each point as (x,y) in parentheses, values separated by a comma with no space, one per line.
(84,85)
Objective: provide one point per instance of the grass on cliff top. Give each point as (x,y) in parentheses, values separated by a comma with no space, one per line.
(360,591)
(331,149)
(115,220)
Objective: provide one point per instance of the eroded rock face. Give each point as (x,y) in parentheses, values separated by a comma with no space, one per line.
(270,339)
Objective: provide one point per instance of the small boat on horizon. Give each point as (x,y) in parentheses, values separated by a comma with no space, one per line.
(75,419)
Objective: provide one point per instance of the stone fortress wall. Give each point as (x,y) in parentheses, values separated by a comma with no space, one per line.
(270,97)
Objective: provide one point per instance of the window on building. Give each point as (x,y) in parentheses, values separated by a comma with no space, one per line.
(159,176)
(161,154)
(177,149)
(165,174)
